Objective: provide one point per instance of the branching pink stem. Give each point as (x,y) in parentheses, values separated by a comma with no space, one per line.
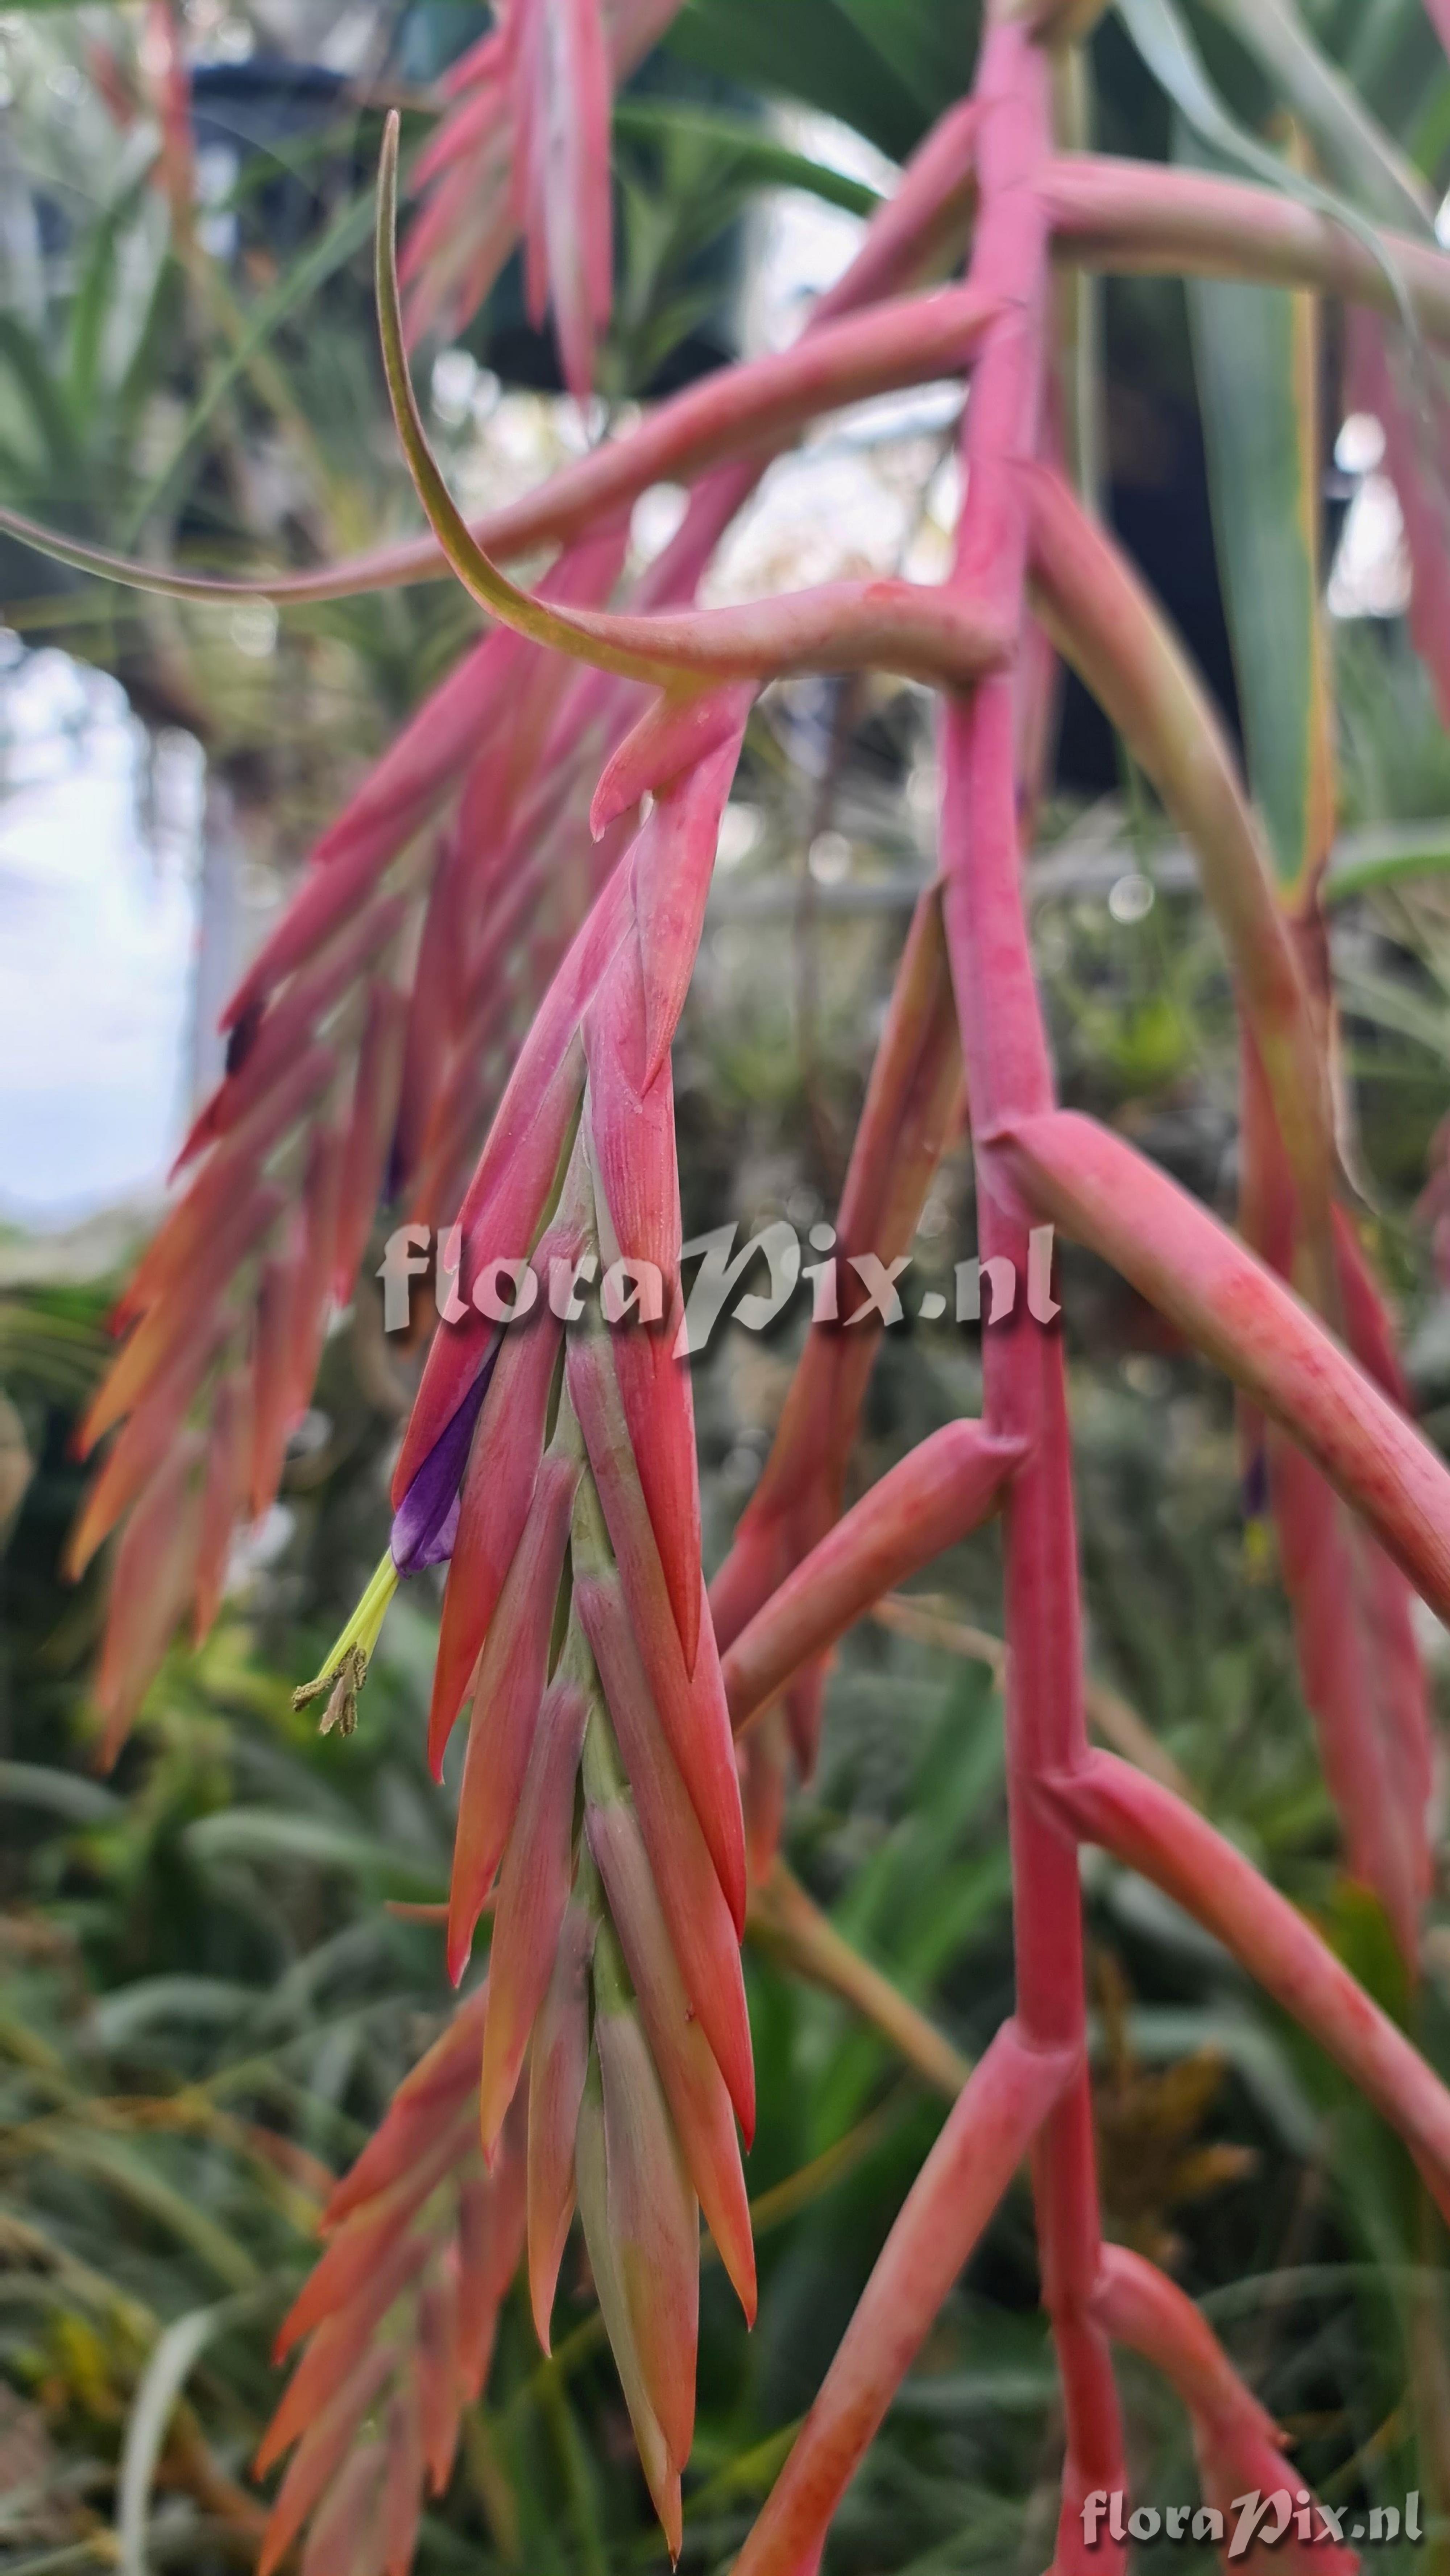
(935,635)
(995,2117)
(922,226)
(764,402)
(1105,214)
(761,404)
(1244,1318)
(1138,218)
(1101,618)
(947,1488)
(1240,2447)
(1009,1076)
(1138,2305)
(1105,1801)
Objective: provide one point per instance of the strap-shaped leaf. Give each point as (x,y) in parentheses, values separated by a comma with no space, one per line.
(882,66)
(1163,40)
(1255,353)
(1354,147)
(756,152)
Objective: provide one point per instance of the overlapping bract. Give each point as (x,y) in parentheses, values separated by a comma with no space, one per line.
(368,1041)
(524,150)
(1261,365)
(398,2320)
(599,1805)
(1359,1663)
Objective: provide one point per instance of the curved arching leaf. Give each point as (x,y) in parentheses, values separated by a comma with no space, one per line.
(1256,358)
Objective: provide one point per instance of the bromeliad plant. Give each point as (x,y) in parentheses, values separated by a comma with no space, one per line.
(486,922)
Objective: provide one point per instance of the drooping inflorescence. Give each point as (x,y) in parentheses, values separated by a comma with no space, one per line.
(599,1791)
(360,1064)
(549,1460)
(525,149)
(398,2318)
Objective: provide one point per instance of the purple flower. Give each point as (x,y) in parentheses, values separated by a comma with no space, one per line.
(425,1524)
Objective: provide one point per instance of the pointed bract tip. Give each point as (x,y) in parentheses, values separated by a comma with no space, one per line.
(672,2520)
(679,730)
(611,798)
(491,2116)
(687,1615)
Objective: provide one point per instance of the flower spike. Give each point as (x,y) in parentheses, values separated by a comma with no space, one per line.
(560,1624)
(398,2318)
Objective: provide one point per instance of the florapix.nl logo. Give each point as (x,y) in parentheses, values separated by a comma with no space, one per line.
(1290,2518)
(753,1283)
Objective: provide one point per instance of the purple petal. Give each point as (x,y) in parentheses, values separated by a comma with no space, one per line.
(437,1549)
(425,1524)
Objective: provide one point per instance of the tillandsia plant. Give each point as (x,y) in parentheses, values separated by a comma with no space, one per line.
(499,934)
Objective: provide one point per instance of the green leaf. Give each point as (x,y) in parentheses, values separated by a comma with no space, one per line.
(88,313)
(66,1793)
(262,1834)
(1255,350)
(1355,149)
(126,2170)
(55,426)
(344,237)
(930,46)
(161,2385)
(759,156)
(1395,854)
(1395,60)
(886,67)
(99,289)
(136,330)
(1386,1003)
(117,2018)
(1163,41)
